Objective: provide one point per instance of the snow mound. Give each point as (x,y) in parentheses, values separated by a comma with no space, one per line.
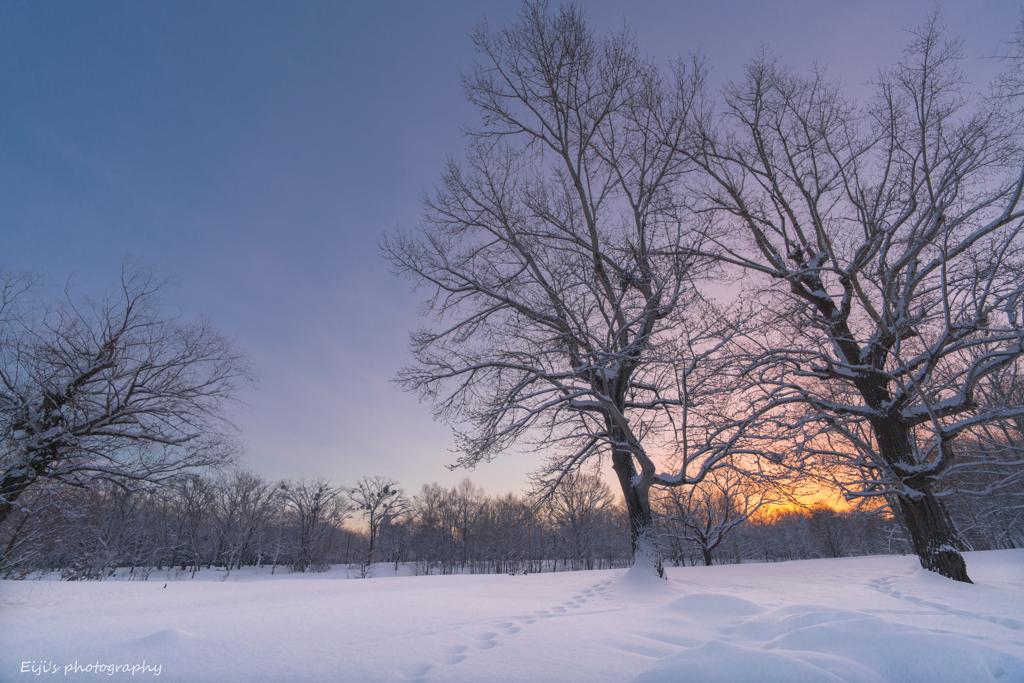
(713,606)
(779,622)
(643,577)
(904,653)
(721,662)
(170,636)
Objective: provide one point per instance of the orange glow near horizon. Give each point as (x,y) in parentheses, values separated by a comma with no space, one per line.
(804,502)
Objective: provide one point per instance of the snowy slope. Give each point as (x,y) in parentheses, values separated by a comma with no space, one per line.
(858,619)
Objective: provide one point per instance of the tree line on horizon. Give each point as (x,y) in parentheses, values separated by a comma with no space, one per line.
(235,519)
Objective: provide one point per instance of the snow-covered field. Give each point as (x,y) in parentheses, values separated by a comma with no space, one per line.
(858,619)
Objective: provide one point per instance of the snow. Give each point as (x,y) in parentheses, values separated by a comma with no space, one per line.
(859,620)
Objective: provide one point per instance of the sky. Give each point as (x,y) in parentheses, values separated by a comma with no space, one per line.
(256,152)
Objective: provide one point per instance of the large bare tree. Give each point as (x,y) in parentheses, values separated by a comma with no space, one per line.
(107,389)
(559,262)
(892,234)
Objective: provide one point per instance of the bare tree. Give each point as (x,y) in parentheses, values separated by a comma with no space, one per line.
(380,502)
(578,509)
(108,389)
(466,505)
(191,503)
(559,261)
(398,535)
(1010,84)
(893,234)
(111,533)
(243,505)
(706,513)
(506,529)
(317,509)
(984,488)
(435,543)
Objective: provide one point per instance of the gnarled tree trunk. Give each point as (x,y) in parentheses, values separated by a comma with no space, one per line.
(638,507)
(931,530)
(932,533)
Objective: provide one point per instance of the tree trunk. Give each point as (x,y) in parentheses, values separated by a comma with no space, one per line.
(934,537)
(638,507)
(372,543)
(11,487)
(707,556)
(16,481)
(925,519)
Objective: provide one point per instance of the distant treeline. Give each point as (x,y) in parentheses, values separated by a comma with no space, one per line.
(238,519)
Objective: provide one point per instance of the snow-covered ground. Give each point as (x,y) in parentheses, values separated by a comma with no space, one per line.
(859,619)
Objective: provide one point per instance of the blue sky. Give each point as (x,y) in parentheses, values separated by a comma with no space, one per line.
(256,152)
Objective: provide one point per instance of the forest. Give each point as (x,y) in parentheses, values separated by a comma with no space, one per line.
(234,519)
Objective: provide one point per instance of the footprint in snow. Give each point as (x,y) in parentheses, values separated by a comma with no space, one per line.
(884,586)
(454,654)
(485,640)
(416,670)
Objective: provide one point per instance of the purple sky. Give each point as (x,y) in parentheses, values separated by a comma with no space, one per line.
(257,151)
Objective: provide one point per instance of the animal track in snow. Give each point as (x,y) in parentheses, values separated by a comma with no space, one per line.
(485,640)
(416,670)
(507,626)
(883,585)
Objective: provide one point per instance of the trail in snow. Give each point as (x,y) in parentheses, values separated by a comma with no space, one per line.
(487,639)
